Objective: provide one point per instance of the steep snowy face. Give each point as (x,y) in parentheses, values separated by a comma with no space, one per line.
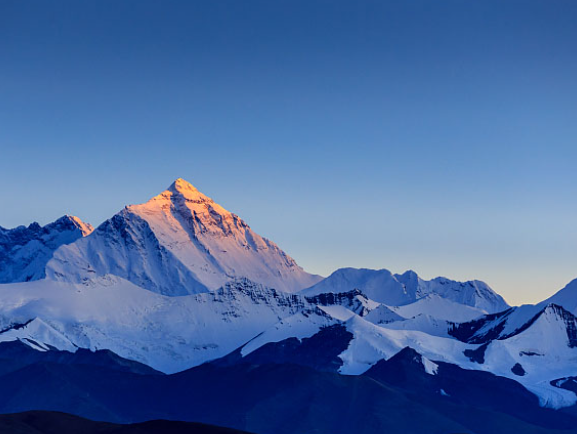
(24,251)
(402,289)
(179,242)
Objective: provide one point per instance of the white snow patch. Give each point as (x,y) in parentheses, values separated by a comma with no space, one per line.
(431,368)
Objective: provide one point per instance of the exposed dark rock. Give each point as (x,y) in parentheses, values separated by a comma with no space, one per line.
(477,355)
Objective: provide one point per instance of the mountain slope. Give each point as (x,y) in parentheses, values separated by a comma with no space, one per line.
(543,349)
(25,251)
(435,381)
(440,308)
(175,333)
(15,355)
(48,422)
(168,333)
(179,242)
(531,344)
(268,398)
(566,297)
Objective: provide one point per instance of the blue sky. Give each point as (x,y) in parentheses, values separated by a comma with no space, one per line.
(439,136)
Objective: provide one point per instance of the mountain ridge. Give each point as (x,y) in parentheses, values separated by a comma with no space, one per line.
(400,289)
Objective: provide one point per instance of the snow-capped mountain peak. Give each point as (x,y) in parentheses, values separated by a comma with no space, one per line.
(184,187)
(179,242)
(114,288)
(182,193)
(194,211)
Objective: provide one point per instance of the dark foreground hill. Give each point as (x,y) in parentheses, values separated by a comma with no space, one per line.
(297,396)
(48,422)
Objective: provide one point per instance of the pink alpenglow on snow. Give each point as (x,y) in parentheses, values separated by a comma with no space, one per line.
(179,242)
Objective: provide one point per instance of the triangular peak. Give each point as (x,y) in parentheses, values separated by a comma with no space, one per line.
(182,186)
(184,197)
(73,222)
(179,242)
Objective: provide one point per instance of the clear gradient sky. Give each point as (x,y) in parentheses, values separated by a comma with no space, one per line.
(434,135)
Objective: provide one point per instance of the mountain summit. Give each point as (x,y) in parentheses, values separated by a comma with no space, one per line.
(184,187)
(179,242)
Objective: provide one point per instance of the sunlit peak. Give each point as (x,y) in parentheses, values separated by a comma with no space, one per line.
(182,186)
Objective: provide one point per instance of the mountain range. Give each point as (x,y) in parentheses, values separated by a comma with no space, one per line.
(179,298)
